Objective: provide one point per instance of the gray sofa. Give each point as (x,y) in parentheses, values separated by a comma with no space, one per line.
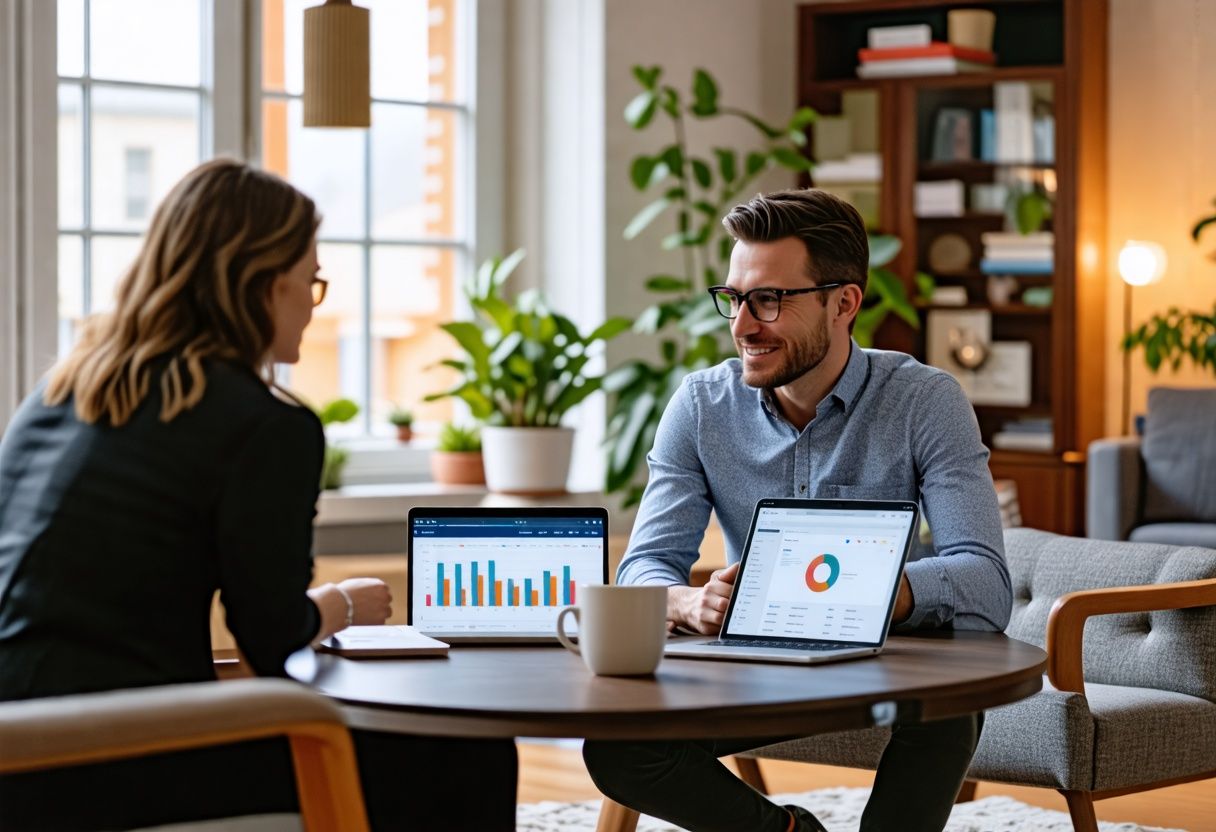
(1161,489)
(1134,710)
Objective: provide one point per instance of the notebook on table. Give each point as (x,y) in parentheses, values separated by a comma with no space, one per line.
(501,575)
(384,640)
(817,582)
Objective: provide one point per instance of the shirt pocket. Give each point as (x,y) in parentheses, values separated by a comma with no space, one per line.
(841,491)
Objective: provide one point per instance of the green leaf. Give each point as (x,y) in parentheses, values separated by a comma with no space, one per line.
(710,277)
(792,159)
(925,285)
(701,172)
(645,217)
(648,321)
(727,163)
(797,137)
(626,450)
(767,129)
(1202,224)
(496,310)
(724,249)
(705,91)
(623,376)
(756,162)
(647,76)
(669,100)
(609,329)
(338,411)
(505,347)
(640,171)
(867,323)
(668,351)
(883,248)
(640,111)
(673,157)
(507,266)
(707,208)
(470,338)
(673,240)
(667,283)
(890,288)
(802,118)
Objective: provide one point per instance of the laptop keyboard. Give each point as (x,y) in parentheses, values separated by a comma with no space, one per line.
(780,645)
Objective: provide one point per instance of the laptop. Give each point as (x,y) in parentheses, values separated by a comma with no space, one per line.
(501,575)
(817,583)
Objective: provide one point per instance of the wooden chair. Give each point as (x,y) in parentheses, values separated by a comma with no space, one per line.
(89,728)
(1129,703)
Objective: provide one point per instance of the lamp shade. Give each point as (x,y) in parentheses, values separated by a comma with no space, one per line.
(337,62)
(1141,263)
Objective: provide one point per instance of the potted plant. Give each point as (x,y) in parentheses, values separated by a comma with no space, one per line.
(524,368)
(456,459)
(403,420)
(697,192)
(332,413)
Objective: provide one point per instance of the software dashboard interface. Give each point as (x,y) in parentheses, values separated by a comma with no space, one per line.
(501,574)
(824,574)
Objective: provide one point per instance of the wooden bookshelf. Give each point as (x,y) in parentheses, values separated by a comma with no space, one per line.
(1059,47)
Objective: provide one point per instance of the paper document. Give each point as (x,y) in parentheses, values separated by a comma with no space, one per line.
(385,640)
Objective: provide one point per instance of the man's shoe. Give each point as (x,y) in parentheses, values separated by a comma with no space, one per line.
(804,821)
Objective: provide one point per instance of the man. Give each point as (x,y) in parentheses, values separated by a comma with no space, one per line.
(805,412)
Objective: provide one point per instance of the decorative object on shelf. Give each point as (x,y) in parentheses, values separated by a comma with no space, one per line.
(337,65)
(1004,379)
(895,37)
(971,28)
(1030,206)
(947,329)
(1001,289)
(989,197)
(335,412)
(1141,263)
(952,133)
(949,252)
(457,459)
(1030,434)
(403,420)
(949,296)
(967,349)
(990,372)
(939,198)
(524,368)
(1039,296)
(1018,253)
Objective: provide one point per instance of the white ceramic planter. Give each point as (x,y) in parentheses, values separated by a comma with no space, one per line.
(529,461)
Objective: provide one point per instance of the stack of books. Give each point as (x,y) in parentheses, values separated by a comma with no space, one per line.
(1025,435)
(896,51)
(1012,253)
(856,167)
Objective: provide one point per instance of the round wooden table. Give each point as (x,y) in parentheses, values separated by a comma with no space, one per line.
(547,692)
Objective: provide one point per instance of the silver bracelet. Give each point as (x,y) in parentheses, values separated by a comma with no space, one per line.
(350,606)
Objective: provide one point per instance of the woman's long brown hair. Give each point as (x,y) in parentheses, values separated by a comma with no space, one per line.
(197,290)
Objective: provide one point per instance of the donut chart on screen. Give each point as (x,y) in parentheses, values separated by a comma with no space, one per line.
(833,573)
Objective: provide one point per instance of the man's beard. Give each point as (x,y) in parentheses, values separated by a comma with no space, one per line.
(799,359)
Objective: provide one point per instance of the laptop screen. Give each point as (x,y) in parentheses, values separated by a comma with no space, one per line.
(821,573)
(497,571)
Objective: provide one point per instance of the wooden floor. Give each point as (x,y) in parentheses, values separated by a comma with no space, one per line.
(549,772)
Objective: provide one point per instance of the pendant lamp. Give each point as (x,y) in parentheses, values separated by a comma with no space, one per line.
(337,86)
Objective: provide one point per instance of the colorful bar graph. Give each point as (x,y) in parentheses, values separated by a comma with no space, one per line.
(486,590)
(548,581)
(498,593)
(459,588)
(496,599)
(447,592)
(479,591)
(441,583)
(552,590)
(515,597)
(464,597)
(567,587)
(529,595)
(536,598)
(428,599)
(475,584)
(512,593)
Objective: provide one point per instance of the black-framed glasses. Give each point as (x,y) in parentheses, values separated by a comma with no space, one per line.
(319,287)
(763,303)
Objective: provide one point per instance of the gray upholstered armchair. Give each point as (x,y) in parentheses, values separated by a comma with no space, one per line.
(1132,708)
(1161,489)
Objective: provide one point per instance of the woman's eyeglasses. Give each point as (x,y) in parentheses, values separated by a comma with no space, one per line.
(319,287)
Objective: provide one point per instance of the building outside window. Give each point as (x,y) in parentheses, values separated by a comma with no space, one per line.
(138,182)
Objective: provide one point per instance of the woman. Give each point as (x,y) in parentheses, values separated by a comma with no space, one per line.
(159,463)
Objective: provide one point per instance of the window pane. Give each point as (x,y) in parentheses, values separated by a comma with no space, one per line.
(112,257)
(415,166)
(71,157)
(413,288)
(163,125)
(70,37)
(145,40)
(71,289)
(331,355)
(325,164)
(413,48)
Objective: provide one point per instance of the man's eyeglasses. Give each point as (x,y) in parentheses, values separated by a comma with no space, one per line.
(319,287)
(764,304)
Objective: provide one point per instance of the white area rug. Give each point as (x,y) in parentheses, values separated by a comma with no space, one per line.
(840,811)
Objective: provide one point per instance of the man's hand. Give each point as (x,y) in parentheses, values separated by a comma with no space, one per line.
(702,609)
(903,601)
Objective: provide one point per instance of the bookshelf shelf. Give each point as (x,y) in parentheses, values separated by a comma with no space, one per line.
(1051,53)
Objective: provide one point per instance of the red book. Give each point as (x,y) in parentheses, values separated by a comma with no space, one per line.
(937,49)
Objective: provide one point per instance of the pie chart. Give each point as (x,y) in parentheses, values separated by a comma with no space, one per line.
(833,566)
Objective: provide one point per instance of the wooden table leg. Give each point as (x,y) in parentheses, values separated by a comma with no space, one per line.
(616,818)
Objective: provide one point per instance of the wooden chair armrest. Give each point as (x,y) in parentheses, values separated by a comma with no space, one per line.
(1066,623)
(96,727)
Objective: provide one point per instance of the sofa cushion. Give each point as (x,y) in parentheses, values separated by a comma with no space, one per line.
(1176,534)
(1172,649)
(1142,736)
(1180,455)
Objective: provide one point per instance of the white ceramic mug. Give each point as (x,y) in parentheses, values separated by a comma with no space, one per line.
(621,629)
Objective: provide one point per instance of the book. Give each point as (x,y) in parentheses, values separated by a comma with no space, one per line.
(952,135)
(384,640)
(856,167)
(936,49)
(893,37)
(1014,127)
(1022,255)
(1037,239)
(987,136)
(1012,441)
(990,266)
(920,66)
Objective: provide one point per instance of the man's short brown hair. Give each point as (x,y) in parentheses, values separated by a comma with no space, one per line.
(832,231)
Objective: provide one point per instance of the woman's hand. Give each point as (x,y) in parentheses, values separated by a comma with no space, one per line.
(370,603)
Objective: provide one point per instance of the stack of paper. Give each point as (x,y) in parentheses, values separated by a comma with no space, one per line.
(909,50)
(1012,253)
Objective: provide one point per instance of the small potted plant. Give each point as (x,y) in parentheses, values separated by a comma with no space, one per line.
(457,457)
(403,420)
(332,413)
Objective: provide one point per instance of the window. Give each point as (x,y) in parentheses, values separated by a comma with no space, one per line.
(395,239)
(131,89)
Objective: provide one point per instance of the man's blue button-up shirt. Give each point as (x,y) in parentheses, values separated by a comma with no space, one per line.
(891,429)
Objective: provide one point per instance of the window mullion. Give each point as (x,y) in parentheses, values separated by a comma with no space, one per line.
(367,281)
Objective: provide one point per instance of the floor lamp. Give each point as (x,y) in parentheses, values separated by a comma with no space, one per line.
(1140,263)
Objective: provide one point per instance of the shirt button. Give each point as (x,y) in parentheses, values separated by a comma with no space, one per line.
(802,488)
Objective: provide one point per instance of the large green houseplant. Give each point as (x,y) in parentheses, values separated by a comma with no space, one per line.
(524,367)
(1178,335)
(695,192)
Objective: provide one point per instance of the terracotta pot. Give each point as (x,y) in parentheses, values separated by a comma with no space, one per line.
(457,467)
(404,433)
